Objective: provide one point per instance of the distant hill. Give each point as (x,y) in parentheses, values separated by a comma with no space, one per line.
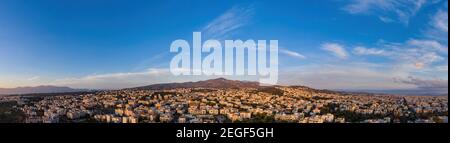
(408,92)
(213,83)
(37,89)
(225,83)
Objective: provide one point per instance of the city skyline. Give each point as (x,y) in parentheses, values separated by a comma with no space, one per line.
(378,45)
(222,101)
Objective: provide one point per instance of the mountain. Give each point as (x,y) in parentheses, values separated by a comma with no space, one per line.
(411,92)
(213,83)
(37,89)
(223,83)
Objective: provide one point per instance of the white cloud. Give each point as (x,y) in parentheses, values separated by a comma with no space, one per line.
(292,54)
(365,6)
(413,54)
(34,78)
(440,20)
(420,53)
(368,51)
(224,25)
(424,83)
(438,26)
(426,59)
(386,19)
(410,58)
(115,80)
(442,68)
(431,45)
(343,76)
(358,76)
(400,10)
(336,49)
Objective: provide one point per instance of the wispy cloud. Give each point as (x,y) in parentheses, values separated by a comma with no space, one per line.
(424,83)
(34,78)
(386,19)
(358,75)
(440,20)
(367,6)
(115,80)
(368,51)
(417,53)
(386,10)
(335,49)
(230,21)
(292,54)
(442,68)
(414,53)
(350,75)
(431,45)
(438,26)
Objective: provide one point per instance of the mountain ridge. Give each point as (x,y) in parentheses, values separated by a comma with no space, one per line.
(221,83)
(212,83)
(38,89)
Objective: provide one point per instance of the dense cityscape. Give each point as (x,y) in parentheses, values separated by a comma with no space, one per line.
(276,104)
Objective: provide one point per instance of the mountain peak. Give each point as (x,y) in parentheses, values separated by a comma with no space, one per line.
(220,79)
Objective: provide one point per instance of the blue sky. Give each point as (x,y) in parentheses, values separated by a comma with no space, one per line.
(333,44)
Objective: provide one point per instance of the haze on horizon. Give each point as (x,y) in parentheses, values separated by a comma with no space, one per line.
(111,44)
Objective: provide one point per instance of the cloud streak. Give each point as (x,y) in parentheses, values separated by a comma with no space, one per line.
(414,53)
(386,10)
(341,76)
(424,83)
(431,45)
(115,80)
(229,22)
(34,78)
(438,26)
(335,49)
(440,21)
(292,54)
(368,51)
